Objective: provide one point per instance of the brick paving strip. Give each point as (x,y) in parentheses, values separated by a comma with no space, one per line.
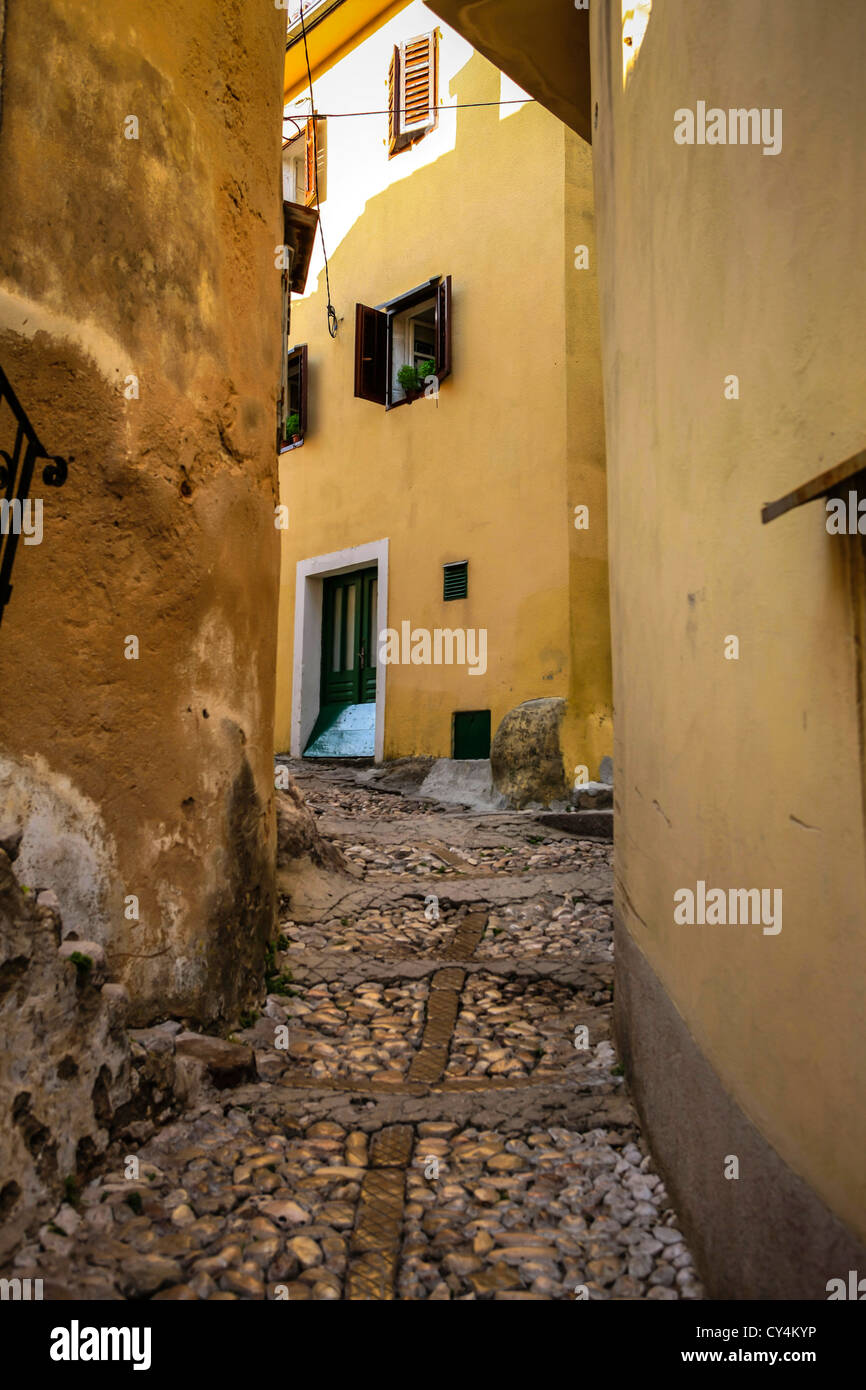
(431,1059)
(375,1241)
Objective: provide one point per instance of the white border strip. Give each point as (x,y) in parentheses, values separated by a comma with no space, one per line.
(307,657)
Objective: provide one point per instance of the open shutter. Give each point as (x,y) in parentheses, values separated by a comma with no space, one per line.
(394,103)
(443,329)
(371,354)
(417,86)
(302,410)
(321,154)
(310,159)
(285,315)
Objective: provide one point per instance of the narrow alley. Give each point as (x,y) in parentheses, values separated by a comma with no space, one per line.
(437,1112)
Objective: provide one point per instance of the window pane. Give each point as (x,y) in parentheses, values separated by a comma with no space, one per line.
(374,609)
(338,630)
(350,630)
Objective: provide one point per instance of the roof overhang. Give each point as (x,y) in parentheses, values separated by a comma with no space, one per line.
(542,46)
(333,29)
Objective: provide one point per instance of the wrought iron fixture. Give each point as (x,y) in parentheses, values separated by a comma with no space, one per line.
(17,464)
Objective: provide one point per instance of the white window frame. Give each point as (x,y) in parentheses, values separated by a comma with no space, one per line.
(400,328)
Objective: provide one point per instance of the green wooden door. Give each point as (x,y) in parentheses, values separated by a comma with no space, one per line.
(349,638)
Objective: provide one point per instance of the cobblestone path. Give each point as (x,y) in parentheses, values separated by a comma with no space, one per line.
(439,1113)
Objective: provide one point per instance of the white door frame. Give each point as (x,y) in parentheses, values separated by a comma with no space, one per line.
(307,660)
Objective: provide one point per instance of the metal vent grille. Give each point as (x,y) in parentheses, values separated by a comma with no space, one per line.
(456,582)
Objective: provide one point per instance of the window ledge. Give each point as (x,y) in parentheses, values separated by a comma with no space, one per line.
(287,448)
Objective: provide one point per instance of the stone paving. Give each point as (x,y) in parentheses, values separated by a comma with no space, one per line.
(439,1113)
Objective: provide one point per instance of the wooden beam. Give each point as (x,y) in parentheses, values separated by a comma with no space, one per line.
(821,486)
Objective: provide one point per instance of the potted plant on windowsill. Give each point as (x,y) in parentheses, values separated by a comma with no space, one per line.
(413,379)
(293,428)
(408,379)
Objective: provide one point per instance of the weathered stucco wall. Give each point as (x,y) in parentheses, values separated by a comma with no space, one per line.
(154,258)
(719,260)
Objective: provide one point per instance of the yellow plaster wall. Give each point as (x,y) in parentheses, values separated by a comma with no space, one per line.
(719,260)
(488,474)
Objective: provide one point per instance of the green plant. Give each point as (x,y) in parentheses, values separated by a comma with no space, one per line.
(83,964)
(249,1018)
(133,1201)
(618,1070)
(293,425)
(426,369)
(276,981)
(408,377)
(70,1190)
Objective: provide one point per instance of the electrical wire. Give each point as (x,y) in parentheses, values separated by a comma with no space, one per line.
(457,106)
(333,321)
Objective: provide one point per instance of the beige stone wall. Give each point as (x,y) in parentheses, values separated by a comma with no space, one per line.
(151,257)
(717,260)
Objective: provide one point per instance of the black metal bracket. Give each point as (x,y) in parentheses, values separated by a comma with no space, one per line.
(17,464)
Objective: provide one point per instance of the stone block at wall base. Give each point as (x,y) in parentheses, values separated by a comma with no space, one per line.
(764,1235)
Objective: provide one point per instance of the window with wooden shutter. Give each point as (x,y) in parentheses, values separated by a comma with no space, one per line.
(316,161)
(294,423)
(371,354)
(284,387)
(413,91)
(412,330)
(418,84)
(443,329)
(393,114)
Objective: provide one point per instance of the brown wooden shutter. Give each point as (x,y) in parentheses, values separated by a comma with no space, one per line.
(310,144)
(302,411)
(285,317)
(371,354)
(394,102)
(417,87)
(443,329)
(322,158)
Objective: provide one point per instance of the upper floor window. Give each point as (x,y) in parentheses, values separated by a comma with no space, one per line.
(400,345)
(294,399)
(413,91)
(305,164)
